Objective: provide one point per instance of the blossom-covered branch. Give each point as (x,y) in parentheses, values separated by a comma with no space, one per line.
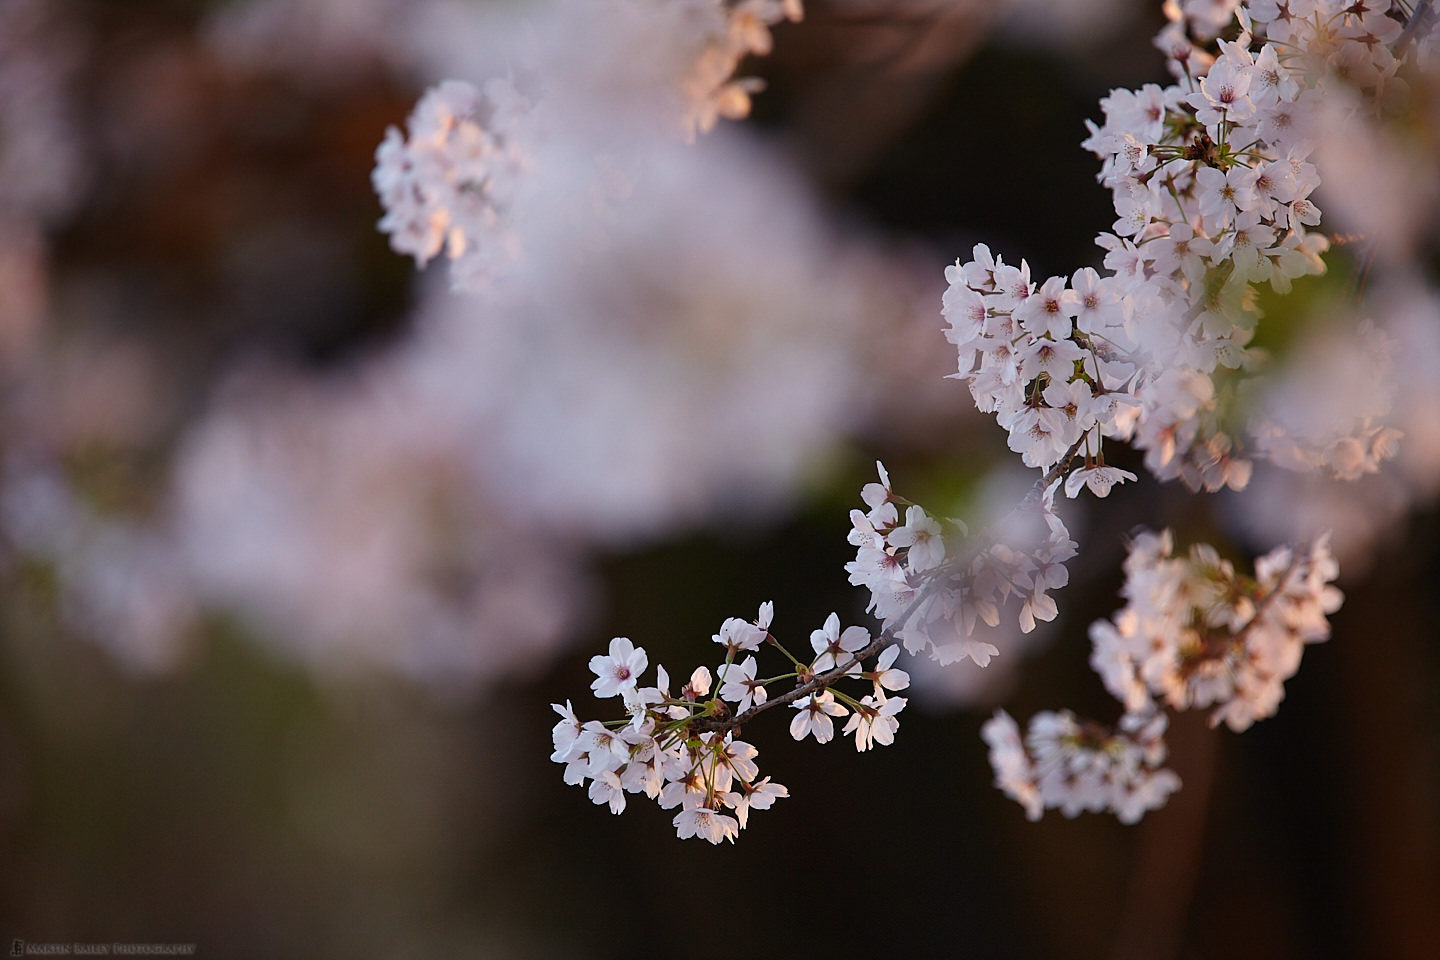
(1213,179)
(928,583)
(680,750)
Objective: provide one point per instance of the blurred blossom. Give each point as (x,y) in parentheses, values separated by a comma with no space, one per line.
(24,291)
(691,346)
(332,41)
(669,61)
(940,685)
(670,331)
(1327,411)
(338,517)
(42,165)
(665,337)
(1333,386)
(128,588)
(79,416)
(86,390)
(993,513)
(1381,184)
(116,580)
(585,96)
(680,357)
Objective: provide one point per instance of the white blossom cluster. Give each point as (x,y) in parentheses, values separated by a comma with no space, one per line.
(1080,766)
(931,598)
(1041,359)
(718,284)
(453,183)
(1212,187)
(1195,634)
(680,750)
(448,186)
(1213,179)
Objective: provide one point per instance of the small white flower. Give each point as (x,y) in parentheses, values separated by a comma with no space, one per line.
(738,684)
(814,717)
(565,734)
(698,688)
(835,647)
(1099,478)
(638,701)
(877,498)
(756,796)
(863,532)
(605,747)
(886,677)
(739,757)
(1037,606)
(1049,310)
(874,722)
(606,788)
(922,535)
(736,635)
(619,670)
(706,823)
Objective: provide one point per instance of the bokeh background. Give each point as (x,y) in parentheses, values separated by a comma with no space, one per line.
(297,546)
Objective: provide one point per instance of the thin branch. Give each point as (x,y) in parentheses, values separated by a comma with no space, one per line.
(1053,474)
(1269,599)
(826,679)
(889,634)
(1236,637)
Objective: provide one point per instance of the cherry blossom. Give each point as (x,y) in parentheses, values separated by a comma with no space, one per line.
(619,670)
(1211,179)
(874,721)
(1072,766)
(1195,634)
(682,751)
(813,717)
(738,683)
(707,824)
